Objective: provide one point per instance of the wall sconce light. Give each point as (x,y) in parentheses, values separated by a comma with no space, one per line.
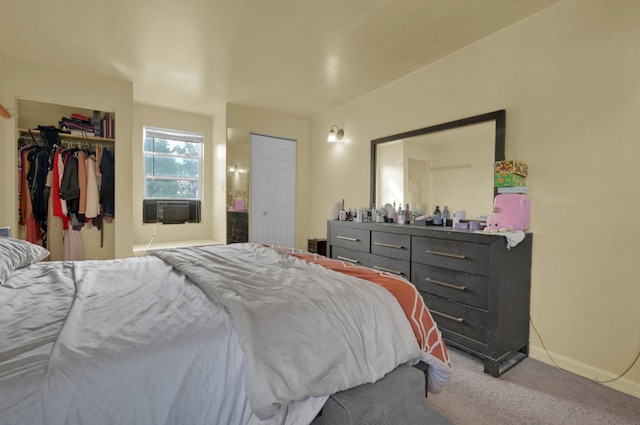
(235,169)
(335,134)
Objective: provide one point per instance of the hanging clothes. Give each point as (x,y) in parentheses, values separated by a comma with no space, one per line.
(82,184)
(69,188)
(92,209)
(39,170)
(39,191)
(33,231)
(58,205)
(107,187)
(22,182)
(24,195)
(57,174)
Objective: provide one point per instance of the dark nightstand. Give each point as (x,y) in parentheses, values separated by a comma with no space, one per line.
(317,246)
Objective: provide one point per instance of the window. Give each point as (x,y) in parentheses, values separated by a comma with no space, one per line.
(173,164)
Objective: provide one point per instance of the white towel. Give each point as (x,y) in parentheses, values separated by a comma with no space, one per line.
(513,237)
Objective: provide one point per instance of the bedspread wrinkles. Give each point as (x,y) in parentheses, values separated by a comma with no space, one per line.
(289,336)
(116,342)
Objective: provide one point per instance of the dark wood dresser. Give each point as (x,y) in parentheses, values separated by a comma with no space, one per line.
(477,289)
(237,226)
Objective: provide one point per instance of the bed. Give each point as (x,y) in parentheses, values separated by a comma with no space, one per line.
(229,334)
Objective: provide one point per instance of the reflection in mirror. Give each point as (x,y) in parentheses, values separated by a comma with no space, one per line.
(238,194)
(238,158)
(447,164)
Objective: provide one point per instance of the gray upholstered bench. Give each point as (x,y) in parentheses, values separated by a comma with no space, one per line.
(396,399)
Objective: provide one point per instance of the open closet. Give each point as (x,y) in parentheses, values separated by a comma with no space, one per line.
(66,179)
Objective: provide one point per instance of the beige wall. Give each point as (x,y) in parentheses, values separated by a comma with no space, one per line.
(277,125)
(219,175)
(568,79)
(156,117)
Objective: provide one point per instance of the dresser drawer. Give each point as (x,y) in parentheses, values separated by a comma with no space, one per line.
(466,257)
(462,287)
(390,265)
(391,245)
(346,237)
(459,318)
(351,256)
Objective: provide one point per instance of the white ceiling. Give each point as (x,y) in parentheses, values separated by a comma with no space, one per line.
(297,57)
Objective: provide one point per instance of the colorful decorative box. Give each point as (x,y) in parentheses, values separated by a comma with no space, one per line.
(508,180)
(511,166)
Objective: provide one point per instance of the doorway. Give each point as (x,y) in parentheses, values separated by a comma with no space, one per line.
(273,190)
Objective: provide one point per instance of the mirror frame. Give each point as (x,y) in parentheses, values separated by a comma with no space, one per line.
(499,117)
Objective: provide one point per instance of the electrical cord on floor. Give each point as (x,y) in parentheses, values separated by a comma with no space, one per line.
(633,363)
(155,226)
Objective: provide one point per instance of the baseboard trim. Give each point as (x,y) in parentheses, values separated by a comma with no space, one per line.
(624,385)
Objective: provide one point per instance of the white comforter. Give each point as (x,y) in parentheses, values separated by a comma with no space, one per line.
(234,334)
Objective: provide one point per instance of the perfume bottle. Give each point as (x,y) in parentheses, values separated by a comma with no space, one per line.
(437,216)
(446,215)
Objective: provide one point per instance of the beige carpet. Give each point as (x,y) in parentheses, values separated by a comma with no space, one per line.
(530,393)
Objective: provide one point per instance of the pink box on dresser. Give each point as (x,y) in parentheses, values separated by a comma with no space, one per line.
(515,208)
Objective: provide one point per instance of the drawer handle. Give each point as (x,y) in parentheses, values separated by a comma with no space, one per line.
(347,239)
(387,245)
(398,272)
(446,316)
(351,260)
(448,285)
(445,254)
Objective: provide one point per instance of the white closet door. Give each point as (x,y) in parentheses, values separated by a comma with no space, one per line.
(273,191)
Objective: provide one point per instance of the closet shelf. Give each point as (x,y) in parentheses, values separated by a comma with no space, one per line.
(68,136)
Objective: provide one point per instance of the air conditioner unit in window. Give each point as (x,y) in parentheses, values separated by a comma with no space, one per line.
(170,211)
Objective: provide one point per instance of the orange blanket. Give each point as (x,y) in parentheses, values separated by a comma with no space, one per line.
(425,329)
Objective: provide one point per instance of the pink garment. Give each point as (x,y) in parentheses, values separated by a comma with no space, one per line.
(34,231)
(55,186)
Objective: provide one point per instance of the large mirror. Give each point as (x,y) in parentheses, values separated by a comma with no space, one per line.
(238,188)
(448,164)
